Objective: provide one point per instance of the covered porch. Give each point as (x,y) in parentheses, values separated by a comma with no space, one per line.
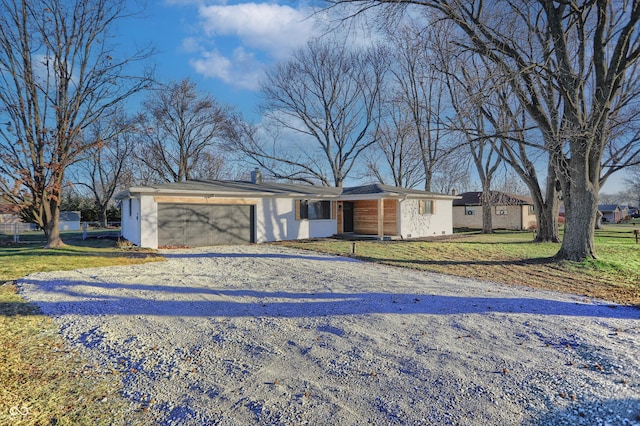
(368,218)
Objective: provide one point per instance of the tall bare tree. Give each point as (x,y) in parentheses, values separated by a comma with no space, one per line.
(183,131)
(325,97)
(58,75)
(469,91)
(108,167)
(396,158)
(421,90)
(572,65)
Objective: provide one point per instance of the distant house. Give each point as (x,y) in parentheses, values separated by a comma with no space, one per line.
(69,221)
(10,221)
(508,211)
(611,213)
(205,213)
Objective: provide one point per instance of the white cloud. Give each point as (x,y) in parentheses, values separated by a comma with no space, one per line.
(240,70)
(274,29)
(234,43)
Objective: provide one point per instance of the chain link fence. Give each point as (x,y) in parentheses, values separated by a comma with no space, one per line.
(14,230)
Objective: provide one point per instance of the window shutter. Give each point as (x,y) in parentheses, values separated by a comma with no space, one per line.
(297,209)
(334,209)
(433,206)
(420,207)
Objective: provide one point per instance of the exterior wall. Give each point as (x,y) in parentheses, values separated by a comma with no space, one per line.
(517,217)
(612,217)
(130,220)
(148,222)
(276,221)
(462,220)
(69,225)
(415,225)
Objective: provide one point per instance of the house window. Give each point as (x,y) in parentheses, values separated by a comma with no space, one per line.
(313,210)
(501,210)
(426,207)
(532,209)
(130,207)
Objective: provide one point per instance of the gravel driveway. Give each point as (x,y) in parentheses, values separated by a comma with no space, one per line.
(266,335)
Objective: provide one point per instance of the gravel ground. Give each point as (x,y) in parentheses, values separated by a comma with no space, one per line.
(268,335)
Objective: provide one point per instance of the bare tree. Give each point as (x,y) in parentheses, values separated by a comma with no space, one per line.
(396,158)
(452,173)
(183,132)
(58,75)
(421,90)
(324,98)
(469,92)
(633,185)
(107,168)
(572,66)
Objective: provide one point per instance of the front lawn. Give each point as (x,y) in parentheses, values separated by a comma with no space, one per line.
(42,379)
(512,258)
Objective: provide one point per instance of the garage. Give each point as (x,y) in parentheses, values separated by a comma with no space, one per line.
(201,225)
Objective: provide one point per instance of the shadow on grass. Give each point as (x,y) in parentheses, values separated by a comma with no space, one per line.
(471,262)
(15,309)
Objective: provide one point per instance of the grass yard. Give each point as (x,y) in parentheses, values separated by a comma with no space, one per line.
(42,380)
(512,258)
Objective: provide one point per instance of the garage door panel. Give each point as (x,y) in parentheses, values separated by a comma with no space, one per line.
(170,225)
(231,225)
(197,225)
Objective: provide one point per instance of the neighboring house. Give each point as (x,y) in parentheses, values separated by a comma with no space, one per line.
(10,221)
(69,221)
(611,213)
(508,211)
(205,213)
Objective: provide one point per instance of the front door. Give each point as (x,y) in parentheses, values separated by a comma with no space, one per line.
(347,216)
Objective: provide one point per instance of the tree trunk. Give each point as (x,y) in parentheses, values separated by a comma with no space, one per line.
(599,220)
(487,224)
(581,208)
(103,216)
(547,219)
(52,228)
(548,210)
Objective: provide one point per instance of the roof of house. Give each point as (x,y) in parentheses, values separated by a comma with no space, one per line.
(267,189)
(70,216)
(608,207)
(497,199)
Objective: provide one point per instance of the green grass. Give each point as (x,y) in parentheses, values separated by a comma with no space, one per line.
(512,258)
(43,380)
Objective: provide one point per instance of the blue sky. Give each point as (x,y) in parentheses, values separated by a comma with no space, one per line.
(223,46)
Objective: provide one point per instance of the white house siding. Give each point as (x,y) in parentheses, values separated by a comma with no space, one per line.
(412,224)
(149,222)
(276,221)
(130,220)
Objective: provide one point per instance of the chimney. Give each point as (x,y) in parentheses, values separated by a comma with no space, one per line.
(454,192)
(256,176)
